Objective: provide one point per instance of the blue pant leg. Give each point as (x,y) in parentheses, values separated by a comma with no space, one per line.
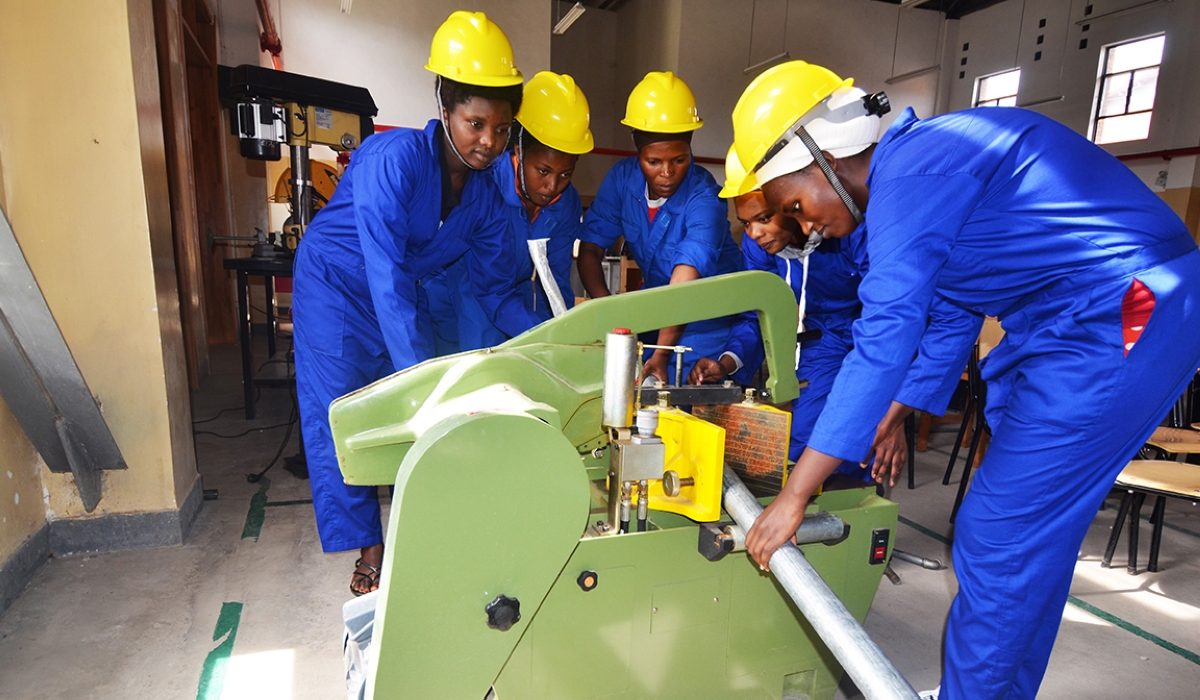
(331,361)
(1069,412)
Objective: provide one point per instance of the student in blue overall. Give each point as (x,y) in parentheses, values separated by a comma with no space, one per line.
(408,206)
(667,209)
(539,204)
(824,275)
(988,212)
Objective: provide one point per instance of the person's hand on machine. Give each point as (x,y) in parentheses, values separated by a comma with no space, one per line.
(707,371)
(656,366)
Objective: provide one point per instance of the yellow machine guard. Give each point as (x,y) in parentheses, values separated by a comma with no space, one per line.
(695,449)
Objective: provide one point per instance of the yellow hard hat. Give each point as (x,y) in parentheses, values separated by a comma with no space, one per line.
(737,181)
(662,103)
(555,111)
(472,49)
(775,101)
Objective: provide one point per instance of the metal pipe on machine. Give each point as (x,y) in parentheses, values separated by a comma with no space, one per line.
(620,370)
(860,657)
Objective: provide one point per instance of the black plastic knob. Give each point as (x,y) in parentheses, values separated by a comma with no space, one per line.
(588,580)
(503,613)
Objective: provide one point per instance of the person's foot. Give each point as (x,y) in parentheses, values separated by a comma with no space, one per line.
(931,694)
(366,570)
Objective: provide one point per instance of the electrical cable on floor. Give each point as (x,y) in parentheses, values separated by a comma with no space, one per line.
(293,418)
(244,433)
(220,413)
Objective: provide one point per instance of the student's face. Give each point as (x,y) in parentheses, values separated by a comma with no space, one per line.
(547,174)
(807,197)
(480,129)
(665,164)
(768,228)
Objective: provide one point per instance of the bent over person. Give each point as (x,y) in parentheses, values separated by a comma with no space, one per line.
(368,274)
(987,212)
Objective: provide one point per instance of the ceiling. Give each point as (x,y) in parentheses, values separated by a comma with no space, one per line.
(954,9)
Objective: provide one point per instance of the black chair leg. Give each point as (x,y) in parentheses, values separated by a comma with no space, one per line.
(980,426)
(968,412)
(1135,517)
(910,436)
(1156,519)
(1126,501)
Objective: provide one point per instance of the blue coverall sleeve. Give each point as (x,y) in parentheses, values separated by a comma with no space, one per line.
(947,342)
(490,263)
(602,225)
(705,228)
(913,221)
(560,247)
(382,193)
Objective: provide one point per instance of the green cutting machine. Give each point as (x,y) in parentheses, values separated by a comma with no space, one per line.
(513,565)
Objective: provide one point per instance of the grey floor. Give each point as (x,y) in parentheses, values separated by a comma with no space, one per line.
(234,615)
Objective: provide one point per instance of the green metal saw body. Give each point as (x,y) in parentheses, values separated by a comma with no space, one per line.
(491,455)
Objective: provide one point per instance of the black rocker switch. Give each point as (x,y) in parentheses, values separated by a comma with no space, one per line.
(879,545)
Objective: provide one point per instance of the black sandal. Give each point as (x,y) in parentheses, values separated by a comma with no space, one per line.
(371,576)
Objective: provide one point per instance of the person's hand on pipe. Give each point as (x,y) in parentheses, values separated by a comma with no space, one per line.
(783,516)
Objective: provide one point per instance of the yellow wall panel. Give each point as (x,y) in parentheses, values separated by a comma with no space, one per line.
(72,161)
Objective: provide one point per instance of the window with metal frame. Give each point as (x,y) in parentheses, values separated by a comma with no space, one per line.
(998,90)
(1126,89)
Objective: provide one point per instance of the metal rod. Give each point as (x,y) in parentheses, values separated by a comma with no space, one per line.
(931,564)
(643,504)
(817,527)
(301,187)
(864,662)
(626,504)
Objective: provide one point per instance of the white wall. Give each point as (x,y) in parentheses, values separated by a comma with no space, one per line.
(1062,85)
(709,43)
(588,53)
(383,45)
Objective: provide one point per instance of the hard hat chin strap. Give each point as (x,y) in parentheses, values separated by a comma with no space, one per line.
(521,163)
(446,127)
(834,180)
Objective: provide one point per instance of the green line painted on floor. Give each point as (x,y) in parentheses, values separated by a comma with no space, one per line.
(925,531)
(212,678)
(1087,607)
(300,502)
(257,513)
(1130,627)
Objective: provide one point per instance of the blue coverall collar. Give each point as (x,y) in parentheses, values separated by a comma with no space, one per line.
(905,120)
(636,187)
